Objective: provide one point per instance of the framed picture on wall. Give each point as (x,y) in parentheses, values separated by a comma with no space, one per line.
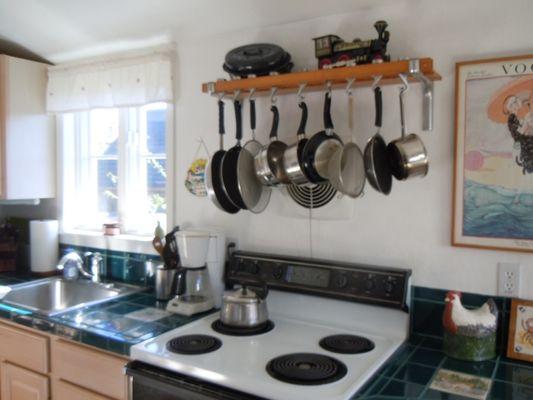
(520,342)
(493,169)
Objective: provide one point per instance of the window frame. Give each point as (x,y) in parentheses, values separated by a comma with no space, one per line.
(70,167)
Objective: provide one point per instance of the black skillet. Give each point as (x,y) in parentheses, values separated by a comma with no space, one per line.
(214,186)
(320,147)
(377,167)
(229,173)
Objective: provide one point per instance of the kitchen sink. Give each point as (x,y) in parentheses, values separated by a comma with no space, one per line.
(53,296)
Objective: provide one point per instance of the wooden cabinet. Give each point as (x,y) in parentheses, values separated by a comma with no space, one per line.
(27,137)
(21,384)
(64,390)
(24,348)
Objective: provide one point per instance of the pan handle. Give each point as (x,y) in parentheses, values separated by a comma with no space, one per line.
(221,129)
(378,100)
(328,123)
(252,114)
(303,120)
(238,120)
(275,123)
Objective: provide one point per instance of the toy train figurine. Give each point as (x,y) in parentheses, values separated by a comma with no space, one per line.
(332,51)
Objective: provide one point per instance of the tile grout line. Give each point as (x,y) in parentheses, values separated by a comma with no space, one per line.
(426,388)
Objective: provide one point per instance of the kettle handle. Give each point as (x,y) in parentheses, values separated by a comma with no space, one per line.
(259,283)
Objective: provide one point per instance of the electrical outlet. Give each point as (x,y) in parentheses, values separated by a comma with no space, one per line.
(509,279)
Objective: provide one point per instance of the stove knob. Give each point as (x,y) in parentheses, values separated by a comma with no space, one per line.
(370,284)
(390,286)
(277,271)
(341,281)
(254,268)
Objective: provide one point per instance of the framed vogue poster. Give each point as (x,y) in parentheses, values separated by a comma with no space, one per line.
(493,171)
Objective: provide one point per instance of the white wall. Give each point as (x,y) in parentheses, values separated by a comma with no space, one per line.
(411,227)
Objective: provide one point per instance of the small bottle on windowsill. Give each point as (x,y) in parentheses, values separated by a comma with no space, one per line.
(111,229)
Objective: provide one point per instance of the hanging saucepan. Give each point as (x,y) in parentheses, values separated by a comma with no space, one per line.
(407,155)
(292,159)
(377,166)
(347,166)
(213,178)
(320,147)
(229,162)
(269,161)
(254,194)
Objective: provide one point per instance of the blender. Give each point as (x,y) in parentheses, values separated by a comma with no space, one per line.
(194,294)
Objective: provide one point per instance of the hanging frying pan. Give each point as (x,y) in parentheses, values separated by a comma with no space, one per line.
(320,147)
(377,167)
(292,158)
(229,175)
(213,181)
(254,194)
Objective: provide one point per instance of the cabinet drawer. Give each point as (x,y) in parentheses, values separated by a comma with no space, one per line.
(21,384)
(91,369)
(63,390)
(24,348)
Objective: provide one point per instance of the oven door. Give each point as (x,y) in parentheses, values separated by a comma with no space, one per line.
(147,382)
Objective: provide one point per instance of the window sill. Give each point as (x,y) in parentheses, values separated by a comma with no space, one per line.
(128,243)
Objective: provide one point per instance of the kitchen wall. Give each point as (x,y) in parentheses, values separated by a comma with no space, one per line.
(411,227)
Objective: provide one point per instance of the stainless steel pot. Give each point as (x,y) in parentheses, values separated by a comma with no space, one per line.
(292,159)
(244,308)
(407,155)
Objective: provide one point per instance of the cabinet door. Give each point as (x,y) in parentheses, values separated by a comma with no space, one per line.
(63,390)
(20,384)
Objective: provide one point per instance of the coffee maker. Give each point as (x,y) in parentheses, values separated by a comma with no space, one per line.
(194,292)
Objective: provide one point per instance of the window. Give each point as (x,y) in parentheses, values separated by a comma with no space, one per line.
(115,168)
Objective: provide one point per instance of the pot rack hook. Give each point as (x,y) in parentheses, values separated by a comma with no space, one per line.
(377,79)
(300,95)
(273,97)
(405,82)
(251,94)
(328,88)
(427,105)
(349,84)
(221,95)
(236,95)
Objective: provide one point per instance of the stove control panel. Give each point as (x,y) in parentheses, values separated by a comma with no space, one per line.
(352,282)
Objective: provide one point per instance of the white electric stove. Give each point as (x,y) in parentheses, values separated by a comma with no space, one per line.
(331,326)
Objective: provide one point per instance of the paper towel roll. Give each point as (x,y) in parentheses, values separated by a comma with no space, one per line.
(44,245)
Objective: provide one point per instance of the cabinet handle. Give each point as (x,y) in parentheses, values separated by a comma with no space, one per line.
(130,387)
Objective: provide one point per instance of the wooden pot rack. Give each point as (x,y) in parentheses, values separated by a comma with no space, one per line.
(420,70)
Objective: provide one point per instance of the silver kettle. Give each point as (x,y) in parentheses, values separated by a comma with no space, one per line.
(245,308)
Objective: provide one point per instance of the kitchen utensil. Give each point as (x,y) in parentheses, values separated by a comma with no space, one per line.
(347,166)
(269,161)
(292,158)
(230,177)
(376,158)
(213,179)
(194,294)
(320,147)
(245,308)
(158,246)
(165,282)
(254,194)
(257,59)
(407,155)
(170,249)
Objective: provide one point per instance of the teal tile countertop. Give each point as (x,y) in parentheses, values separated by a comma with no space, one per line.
(109,326)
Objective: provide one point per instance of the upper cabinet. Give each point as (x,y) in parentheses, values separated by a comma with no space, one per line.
(27,138)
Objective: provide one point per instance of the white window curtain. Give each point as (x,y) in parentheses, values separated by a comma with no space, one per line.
(114,82)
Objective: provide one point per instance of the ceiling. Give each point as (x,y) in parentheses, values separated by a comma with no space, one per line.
(65,30)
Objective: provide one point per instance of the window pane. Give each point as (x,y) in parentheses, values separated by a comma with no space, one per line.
(156,183)
(107,189)
(103,132)
(155,127)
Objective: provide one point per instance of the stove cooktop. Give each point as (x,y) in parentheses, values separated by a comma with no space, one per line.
(254,364)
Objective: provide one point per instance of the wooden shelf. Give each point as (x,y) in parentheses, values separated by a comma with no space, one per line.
(363,74)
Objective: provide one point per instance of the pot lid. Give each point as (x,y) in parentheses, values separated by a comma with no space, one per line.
(242,295)
(254,57)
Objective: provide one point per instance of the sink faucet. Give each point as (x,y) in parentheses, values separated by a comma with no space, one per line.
(72,266)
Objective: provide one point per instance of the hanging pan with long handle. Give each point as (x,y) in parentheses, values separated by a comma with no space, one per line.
(293,157)
(254,194)
(230,179)
(407,155)
(347,166)
(213,181)
(269,161)
(376,159)
(320,147)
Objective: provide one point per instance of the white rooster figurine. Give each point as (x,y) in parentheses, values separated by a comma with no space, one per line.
(460,320)
(469,334)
